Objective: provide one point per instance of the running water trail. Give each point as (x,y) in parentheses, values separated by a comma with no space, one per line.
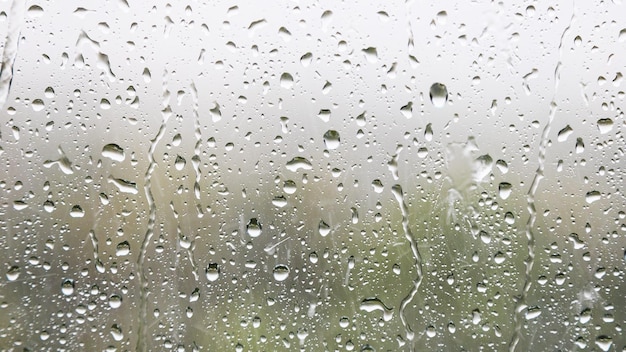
(518,319)
(143,281)
(11,44)
(397,192)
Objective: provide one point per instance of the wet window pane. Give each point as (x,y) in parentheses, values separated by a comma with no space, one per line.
(312,176)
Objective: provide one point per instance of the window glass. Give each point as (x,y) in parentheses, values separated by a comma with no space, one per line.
(292,175)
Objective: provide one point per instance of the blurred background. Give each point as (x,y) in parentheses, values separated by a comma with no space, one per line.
(239,176)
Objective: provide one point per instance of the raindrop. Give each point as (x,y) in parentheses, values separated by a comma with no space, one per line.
(299,163)
(286,80)
(592,196)
(532,313)
(253,229)
(279,201)
(115,301)
(374,304)
(180,162)
(504,190)
(371,54)
(113,152)
(13,273)
(605,125)
(212,272)
(438,95)
(77,212)
(122,249)
(323,228)
(331,139)
(564,133)
(116,332)
(67,287)
(281,272)
(289,187)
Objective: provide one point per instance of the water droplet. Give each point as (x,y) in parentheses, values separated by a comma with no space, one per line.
(605,125)
(299,163)
(113,152)
(331,139)
(306,59)
(344,322)
(116,332)
(38,105)
(371,54)
(323,228)
(281,272)
(286,80)
(122,249)
(504,190)
(604,342)
(592,196)
(13,273)
(564,133)
(67,287)
(378,186)
(374,304)
(289,187)
(180,162)
(19,205)
(253,229)
(532,313)
(115,301)
(279,201)
(438,95)
(212,272)
(77,212)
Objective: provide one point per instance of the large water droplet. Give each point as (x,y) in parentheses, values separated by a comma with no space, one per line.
(67,287)
(281,272)
(438,95)
(212,272)
(323,228)
(122,249)
(286,80)
(13,273)
(77,212)
(113,152)
(331,139)
(254,228)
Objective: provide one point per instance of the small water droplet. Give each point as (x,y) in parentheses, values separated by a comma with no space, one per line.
(438,95)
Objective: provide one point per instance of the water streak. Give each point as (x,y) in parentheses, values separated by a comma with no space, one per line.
(518,317)
(397,192)
(11,44)
(143,280)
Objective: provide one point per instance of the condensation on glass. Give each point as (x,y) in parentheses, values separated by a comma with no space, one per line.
(312,175)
